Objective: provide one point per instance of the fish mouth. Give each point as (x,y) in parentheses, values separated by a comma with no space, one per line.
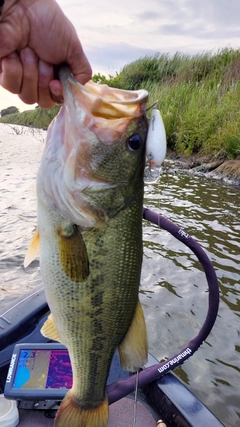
(83,141)
(102,109)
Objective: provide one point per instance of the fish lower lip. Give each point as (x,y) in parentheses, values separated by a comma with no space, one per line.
(95,187)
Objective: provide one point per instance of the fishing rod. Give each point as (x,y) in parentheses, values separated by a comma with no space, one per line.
(121,388)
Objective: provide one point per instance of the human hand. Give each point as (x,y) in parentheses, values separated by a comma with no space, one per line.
(35,35)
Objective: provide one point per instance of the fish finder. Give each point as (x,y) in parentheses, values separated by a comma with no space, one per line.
(39,372)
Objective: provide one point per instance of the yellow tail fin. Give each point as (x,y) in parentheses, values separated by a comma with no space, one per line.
(71,414)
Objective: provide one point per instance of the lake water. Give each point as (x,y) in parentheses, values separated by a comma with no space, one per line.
(173,287)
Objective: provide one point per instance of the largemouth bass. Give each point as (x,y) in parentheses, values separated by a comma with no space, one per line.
(90,198)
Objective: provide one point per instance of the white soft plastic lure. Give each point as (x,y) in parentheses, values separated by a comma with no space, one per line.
(156,146)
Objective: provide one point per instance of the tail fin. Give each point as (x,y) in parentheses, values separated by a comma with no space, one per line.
(72,414)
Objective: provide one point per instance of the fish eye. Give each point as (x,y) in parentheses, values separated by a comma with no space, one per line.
(134,142)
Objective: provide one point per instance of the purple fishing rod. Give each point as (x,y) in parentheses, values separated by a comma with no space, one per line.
(121,388)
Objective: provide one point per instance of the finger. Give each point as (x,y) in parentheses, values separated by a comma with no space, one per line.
(29,89)
(79,63)
(10,37)
(56,91)
(11,73)
(45,76)
(85,73)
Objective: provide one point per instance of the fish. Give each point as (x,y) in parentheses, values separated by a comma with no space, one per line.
(89,208)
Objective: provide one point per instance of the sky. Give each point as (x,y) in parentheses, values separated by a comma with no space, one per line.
(115,33)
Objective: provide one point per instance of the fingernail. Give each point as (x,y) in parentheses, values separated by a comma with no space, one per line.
(28,56)
(56,92)
(44,67)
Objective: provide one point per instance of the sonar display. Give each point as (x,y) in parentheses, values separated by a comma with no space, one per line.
(43,369)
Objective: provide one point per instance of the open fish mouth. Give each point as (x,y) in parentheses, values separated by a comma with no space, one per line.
(83,141)
(104,110)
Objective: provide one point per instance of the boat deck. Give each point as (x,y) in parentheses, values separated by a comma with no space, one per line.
(121,414)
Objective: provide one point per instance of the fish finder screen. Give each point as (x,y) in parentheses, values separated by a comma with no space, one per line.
(43,369)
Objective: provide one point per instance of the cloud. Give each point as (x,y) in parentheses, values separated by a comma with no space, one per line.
(217,12)
(113,57)
(148,15)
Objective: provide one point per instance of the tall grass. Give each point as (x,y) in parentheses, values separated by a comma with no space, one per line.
(199,98)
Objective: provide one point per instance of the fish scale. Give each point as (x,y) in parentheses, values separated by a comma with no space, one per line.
(90,196)
(86,300)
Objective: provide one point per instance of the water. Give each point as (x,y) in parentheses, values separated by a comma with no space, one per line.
(173,287)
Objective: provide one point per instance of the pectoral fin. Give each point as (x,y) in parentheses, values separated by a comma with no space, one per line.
(73,253)
(133,350)
(49,330)
(33,249)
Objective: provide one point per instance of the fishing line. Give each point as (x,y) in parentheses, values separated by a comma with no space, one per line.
(135,402)
(151,106)
(121,388)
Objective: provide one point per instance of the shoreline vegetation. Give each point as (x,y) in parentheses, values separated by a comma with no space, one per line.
(199,100)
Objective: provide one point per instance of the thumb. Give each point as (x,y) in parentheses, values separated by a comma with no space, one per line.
(79,65)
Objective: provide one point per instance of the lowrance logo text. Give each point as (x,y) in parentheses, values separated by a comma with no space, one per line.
(10,371)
